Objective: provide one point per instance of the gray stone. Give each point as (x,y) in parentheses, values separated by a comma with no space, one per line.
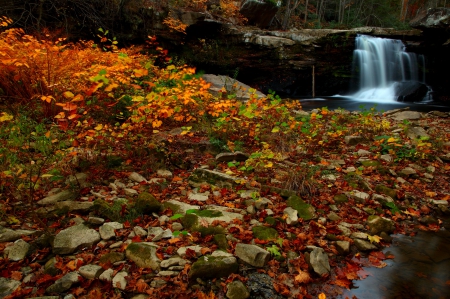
(219,82)
(262,203)
(72,238)
(379,224)
(50,267)
(169,273)
(213,177)
(18,251)
(179,207)
(198,196)
(7,286)
(176,226)
(319,261)
(383,199)
(143,255)
(432,18)
(62,196)
(364,245)
(363,153)
(387,158)
(90,271)
(154,231)
(235,156)
(64,283)
(96,220)
(353,140)
(345,230)
(252,254)
(438,202)
(106,232)
(416,133)
(73,206)
(213,267)
(139,231)
(164,173)
(130,192)
(408,171)
(166,234)
(237,290)
(9,235)
(79,179)
(359,235)
(107,275)
(291,216)
(136,177)
(403,115)
(343,247)
(173,261)
(359,196)
(333,216)
(119,280)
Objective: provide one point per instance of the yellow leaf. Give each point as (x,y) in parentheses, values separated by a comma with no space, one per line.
(140,73)
(269,165)
(275,129)
(68,95)
(322,296)
(5,117)
(392,139)
(77,98)
(111,87)
(375,238)
(98,127)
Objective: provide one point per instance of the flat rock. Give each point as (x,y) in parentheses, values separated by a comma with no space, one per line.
(319,261)
(74,237)
(208,267)
(18,251)
(143,255)
(10,235)
(364,245)
(7,286)
(136,177)
(252,254)
(64,283)
(90,271)
(119,280)
(379,224)
(404,115)
(61,196)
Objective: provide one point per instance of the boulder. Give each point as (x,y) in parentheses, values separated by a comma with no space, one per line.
(64,283)
(378,224)
(364,245)
(18,251)
(434,18)
(119,280)
(410,91)
(264,233)
(144,255)
(74,237)
(319,261)
(291,216)
(386,191)
(61,196)
(343,247)
(237,290)
(7,286)
(252,254)
(219,83)
(147,204)
(259,12)
(208,267)
(305,211)
(90,271)
(9,235)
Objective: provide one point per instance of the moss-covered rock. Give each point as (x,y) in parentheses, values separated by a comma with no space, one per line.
(212,177)
(271,220)
(192,222)
(144,255)
(109,211)
(208,267)
(305,211)
(207,213)
(264,233)
(386,191)
(146,203)
(221,241)
(340,198)
(111,257)
(379,224)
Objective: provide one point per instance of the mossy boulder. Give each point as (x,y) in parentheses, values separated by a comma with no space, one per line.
(386,191)
(271,220)
(379,224)
(109,211)
(192,222)
(305,211)
(340,198)
(212,177)
(146,203)
(221,241)
(208,267)
(264,233)
(144,255)
(111,257)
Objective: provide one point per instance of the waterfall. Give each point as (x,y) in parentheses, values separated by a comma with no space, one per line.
(386,71)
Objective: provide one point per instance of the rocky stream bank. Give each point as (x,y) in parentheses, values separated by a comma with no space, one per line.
(206,230)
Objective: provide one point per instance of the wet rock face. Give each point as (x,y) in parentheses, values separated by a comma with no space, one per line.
(435,18)
(261,287)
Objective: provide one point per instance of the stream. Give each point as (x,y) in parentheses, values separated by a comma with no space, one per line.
(420,269)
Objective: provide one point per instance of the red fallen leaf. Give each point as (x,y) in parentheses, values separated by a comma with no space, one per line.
(281,289)
(190,253)
(46,278)
(136,239)
(343,283)
(16,275)
(126,224)
(258,241)
(141,286)
(78,291)
(378,254)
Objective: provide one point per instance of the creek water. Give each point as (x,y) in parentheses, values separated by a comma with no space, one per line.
(420,269)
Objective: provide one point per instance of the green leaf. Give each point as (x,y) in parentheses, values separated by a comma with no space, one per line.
(176,216)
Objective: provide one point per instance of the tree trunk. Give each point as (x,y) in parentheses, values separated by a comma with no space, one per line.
(306,11)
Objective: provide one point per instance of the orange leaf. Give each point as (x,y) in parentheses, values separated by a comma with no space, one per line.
(16,275)
(174,240)
(176,179)
(302,277)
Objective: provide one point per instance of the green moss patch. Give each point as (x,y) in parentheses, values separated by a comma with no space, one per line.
(305,211)
(264,233)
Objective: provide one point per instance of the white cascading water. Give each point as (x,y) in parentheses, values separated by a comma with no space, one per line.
(381,64)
